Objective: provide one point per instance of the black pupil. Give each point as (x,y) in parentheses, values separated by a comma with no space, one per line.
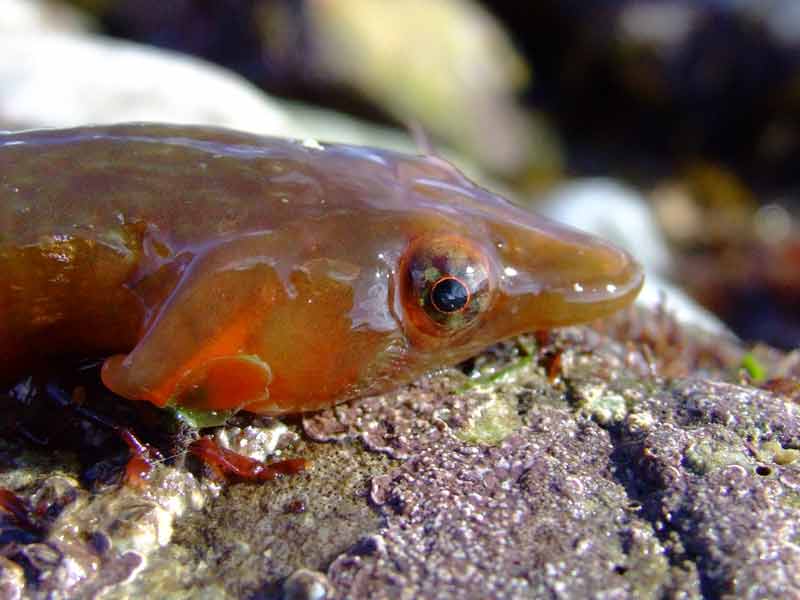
(449,295)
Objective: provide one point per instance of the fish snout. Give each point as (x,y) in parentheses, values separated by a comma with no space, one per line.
(555,277)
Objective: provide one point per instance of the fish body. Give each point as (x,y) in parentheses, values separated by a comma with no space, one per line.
(220,270)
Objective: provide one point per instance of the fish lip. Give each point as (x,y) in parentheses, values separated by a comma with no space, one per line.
(578,293)
(609,292)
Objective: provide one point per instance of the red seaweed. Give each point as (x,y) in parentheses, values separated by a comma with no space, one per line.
(228,464)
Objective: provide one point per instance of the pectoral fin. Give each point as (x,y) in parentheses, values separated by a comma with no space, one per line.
(224,383)
(197,350)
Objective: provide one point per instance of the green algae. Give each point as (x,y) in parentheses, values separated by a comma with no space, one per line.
(491,422)
(772,451)
(754,368)
(603,405)
(200,419)
(709,455)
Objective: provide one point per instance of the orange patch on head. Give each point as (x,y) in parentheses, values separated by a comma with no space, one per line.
(226,383)
(228,344)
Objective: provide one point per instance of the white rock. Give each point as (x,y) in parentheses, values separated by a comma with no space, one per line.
(60,80)
(34,16)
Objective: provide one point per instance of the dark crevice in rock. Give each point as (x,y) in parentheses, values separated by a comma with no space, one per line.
(647,493)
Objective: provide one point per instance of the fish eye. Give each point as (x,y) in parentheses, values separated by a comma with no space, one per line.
(446,284)
(449,295)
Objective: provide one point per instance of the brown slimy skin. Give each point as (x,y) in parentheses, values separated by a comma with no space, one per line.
(224,270)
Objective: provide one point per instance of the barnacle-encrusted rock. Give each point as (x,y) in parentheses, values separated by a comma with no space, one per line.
(566,466)
(563,468)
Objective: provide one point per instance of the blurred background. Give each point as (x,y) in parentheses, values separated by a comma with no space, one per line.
(672,126)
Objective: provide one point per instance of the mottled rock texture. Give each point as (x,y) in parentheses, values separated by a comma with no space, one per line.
(566,467)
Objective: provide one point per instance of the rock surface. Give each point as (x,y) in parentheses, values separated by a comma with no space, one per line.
(564,468)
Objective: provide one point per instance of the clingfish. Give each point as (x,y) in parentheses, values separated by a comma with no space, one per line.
(219,270)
